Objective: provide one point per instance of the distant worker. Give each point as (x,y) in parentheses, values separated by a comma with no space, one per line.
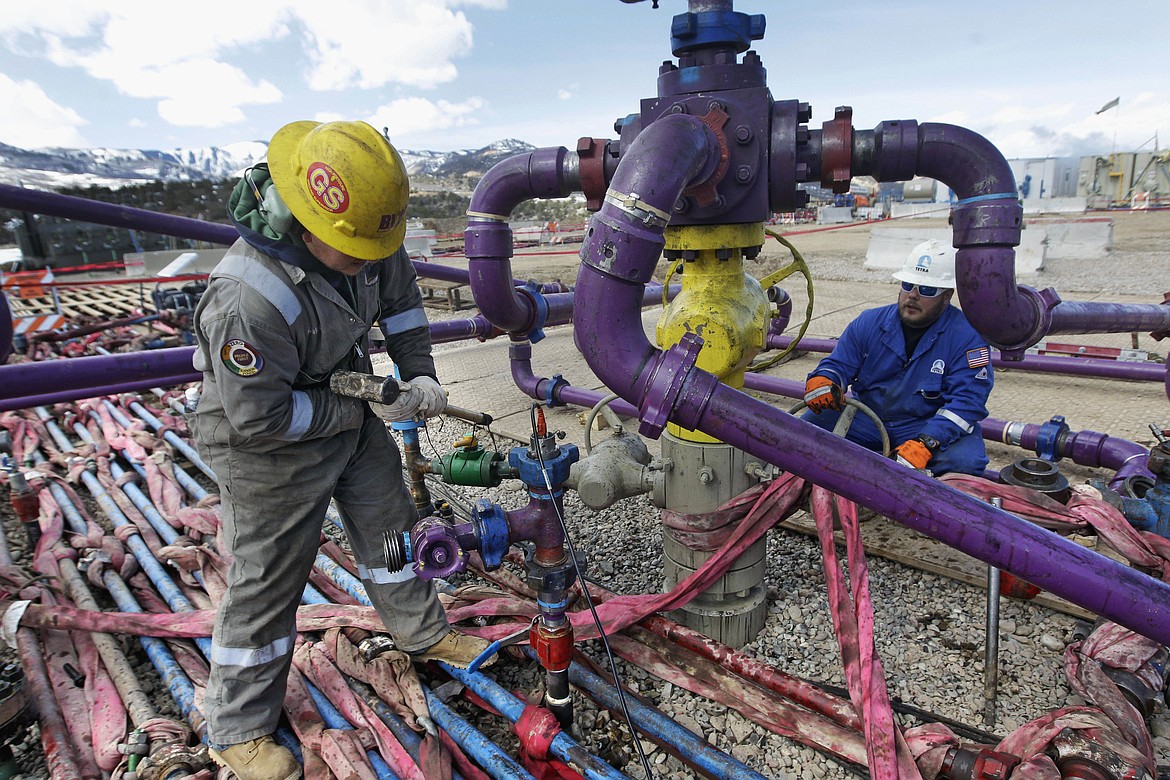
(319,260)
(919,365)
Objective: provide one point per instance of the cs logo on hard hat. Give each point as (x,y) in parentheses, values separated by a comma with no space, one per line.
(241,358)
(327,188)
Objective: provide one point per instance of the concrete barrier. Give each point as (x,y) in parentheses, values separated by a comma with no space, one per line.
(924,210)
(834,215)
(154,263)
(1055,205)
(1084,238)
(888,247)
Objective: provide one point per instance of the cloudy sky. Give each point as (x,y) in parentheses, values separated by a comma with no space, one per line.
(452,74)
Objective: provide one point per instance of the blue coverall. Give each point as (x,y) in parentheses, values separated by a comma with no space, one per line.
(940,391)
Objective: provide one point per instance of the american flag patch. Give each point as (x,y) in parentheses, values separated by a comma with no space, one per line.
(978,357)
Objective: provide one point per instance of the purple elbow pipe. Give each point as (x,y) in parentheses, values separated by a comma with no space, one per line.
(556,390)
(987,223)
(1086,448)
(487,242)
(619,255)
(622,246)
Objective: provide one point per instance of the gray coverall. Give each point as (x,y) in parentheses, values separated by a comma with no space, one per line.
(281,444)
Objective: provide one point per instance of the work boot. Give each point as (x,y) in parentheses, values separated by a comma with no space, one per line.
(457,649)
(258,759)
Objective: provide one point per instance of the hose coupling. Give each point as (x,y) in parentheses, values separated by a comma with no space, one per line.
(974,763)
(553,645)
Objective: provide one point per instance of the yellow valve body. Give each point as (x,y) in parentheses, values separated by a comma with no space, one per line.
(720,303)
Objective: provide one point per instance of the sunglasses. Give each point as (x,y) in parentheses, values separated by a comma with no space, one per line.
(923,290)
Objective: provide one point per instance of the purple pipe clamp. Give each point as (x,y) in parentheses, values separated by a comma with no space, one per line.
(619,255)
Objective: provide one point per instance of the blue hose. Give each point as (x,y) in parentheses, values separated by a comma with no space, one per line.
(146,559)
(495,761)
(335,720)
(135,494)
(185,480)
(170,436)
(661,728)
(182,691)
(563,746)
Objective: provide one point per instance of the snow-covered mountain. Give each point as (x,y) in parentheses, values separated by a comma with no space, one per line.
(53,168)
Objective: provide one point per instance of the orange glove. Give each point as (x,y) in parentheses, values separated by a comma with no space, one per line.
(822,393)
(913,453)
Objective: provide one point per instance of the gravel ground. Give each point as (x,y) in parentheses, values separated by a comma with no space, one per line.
(929,630)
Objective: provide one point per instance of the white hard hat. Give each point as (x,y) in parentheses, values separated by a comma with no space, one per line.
(931,263)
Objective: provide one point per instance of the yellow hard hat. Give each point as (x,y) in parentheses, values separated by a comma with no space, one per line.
(345,183)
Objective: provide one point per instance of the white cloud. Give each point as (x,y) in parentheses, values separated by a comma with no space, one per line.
(1020,113)
(184,63)
(414,115)
(408,42)
(31,120)
(564,94)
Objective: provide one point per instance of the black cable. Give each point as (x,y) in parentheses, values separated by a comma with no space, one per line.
(924,716)
(588,599)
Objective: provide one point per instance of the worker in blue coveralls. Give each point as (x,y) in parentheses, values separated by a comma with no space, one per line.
(318,262)
(919,365)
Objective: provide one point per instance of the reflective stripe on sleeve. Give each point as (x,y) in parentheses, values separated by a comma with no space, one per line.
(302,416)
(264,282)
(383,576)
(404,321)
(964,426)
(251,656)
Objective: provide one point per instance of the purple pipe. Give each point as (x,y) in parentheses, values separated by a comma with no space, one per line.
(48,399)
(71,207)
(619,255)
(1088,579)
(5,328)
(1086,448)
(487,242)
(520,356)
(51,376)
(448,273)
(1047,364)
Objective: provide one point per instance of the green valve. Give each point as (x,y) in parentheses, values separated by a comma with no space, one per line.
(471,467)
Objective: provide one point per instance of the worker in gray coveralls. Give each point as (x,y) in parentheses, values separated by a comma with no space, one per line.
(319,260)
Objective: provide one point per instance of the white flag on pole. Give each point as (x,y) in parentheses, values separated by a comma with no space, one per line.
(1111,104)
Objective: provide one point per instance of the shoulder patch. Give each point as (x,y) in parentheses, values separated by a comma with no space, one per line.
(241,358)
(982,374)
(978,357)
